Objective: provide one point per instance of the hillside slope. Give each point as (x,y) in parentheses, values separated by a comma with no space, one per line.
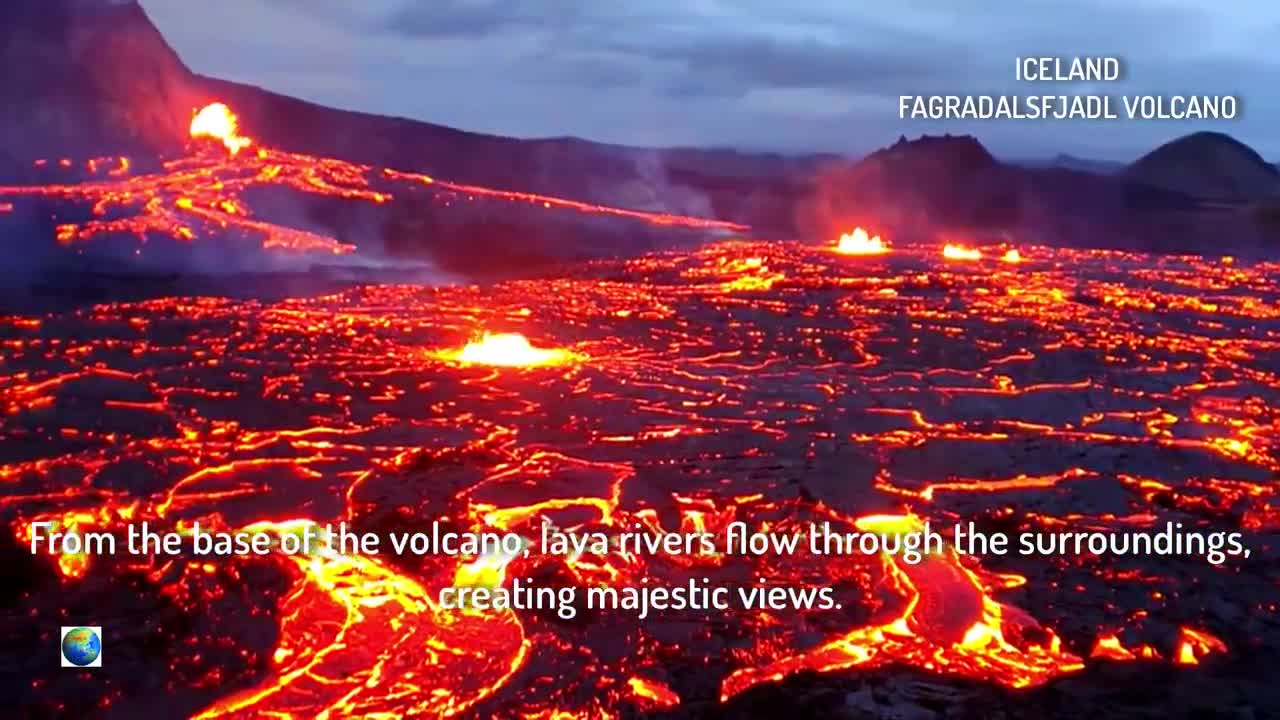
(1208,165)
(88,77)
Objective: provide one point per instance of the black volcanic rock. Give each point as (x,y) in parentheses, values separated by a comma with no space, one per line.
(88,77)
(1208,165)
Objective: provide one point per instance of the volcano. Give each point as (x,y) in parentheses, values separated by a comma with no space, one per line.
(1209,165)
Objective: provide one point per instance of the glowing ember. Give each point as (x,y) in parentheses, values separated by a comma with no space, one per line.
(960,252)
(859,242)
(508,350)
(1011,256)
(218,122)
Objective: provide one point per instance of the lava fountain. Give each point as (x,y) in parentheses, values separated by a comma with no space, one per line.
(960,252)
(218,122)
(859,242)
(1011,256)
(507,350)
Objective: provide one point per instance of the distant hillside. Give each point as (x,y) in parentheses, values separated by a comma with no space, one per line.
(1208,165)
(1100,167)
(1063,161)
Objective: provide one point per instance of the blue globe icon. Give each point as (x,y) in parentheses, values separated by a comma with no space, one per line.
(81,646)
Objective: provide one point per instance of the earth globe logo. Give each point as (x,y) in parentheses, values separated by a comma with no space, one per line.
(81,646)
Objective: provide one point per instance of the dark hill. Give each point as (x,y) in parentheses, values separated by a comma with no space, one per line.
(88,77)
(1208,165)
(948,154)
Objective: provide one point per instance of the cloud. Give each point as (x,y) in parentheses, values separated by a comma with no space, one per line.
(482,17)
(758,62)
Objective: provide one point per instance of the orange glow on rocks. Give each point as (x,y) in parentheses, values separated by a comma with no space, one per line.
(947,620)
(707,408)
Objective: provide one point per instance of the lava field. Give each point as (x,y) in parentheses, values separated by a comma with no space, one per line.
(770,383)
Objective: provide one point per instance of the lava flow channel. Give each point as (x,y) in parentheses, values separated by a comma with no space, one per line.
(949,623)
(203,195)
(361,640)
(1127,392)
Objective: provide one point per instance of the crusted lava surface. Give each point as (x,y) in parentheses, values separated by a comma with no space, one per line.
(772,383)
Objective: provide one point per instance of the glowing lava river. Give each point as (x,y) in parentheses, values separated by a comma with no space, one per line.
(770,383)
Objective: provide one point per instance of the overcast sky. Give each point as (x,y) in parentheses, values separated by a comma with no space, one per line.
(792,75)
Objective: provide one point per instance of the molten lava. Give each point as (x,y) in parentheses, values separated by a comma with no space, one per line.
(859,242)
(960,252)
(218,122)
(1011,256)
(507,350)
